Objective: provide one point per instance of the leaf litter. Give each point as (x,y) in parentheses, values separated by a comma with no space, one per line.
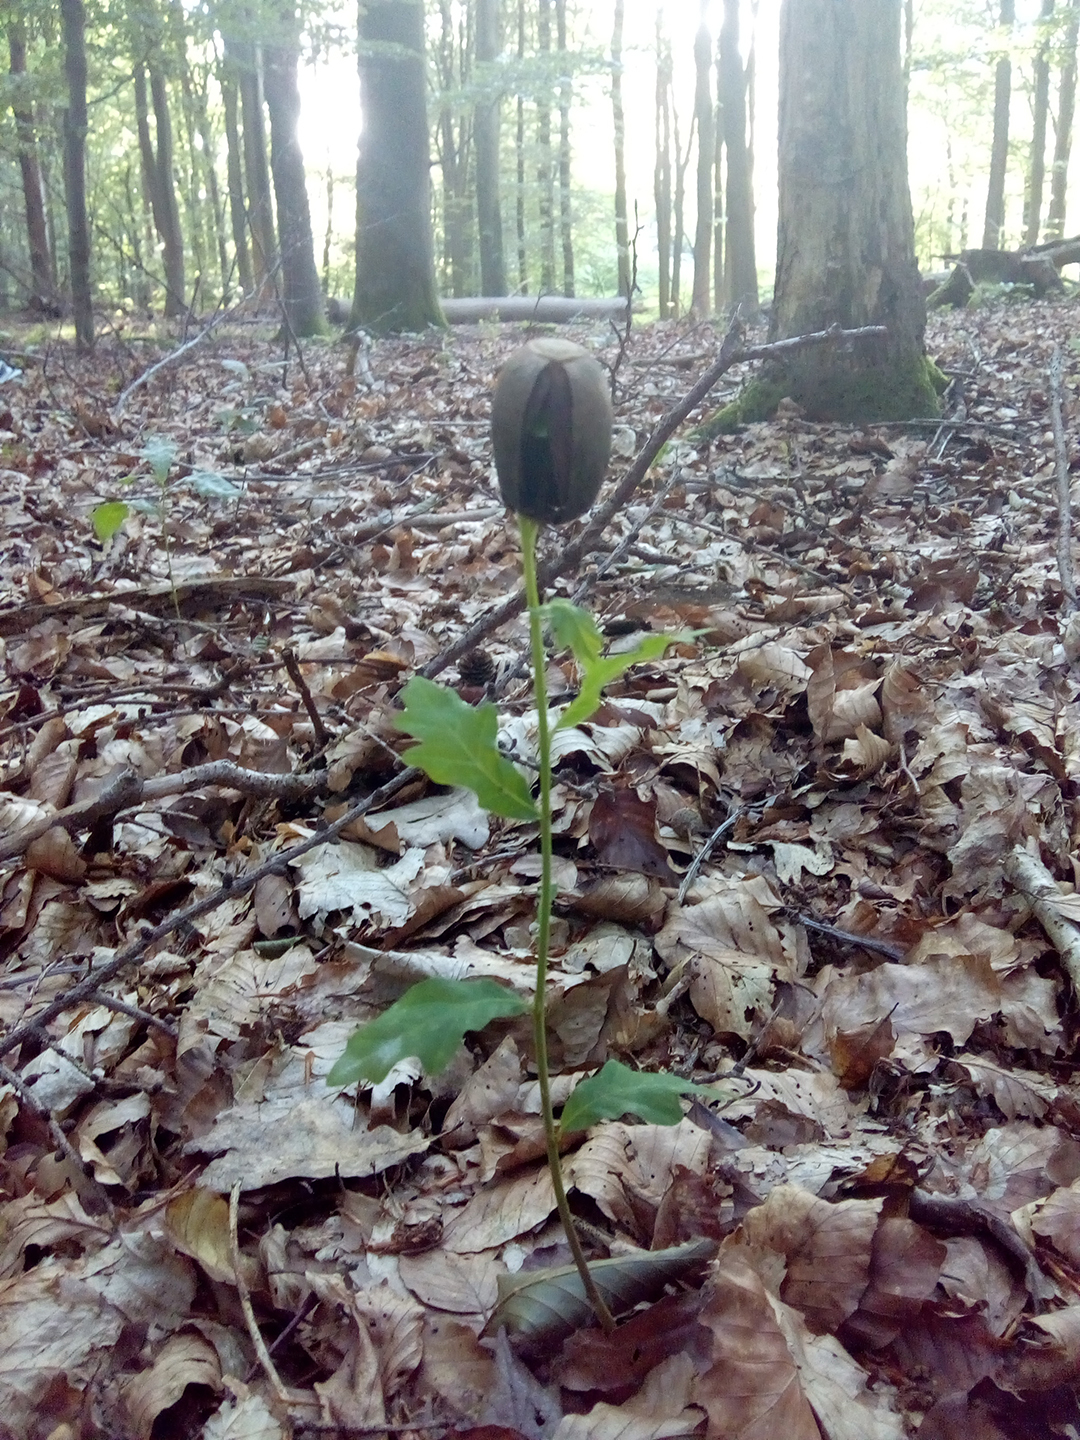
(819,857)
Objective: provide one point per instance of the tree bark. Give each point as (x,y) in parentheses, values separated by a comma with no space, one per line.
(545,172)
(703,116)
(994,223)
(76,125)
(1059,171)
(566,216)
(741,286)
(622,229)
(167,210)
(662,165)
(453,161)
(302,294)
(42,265)
(210,176)
(846,249)
(519,155)
(1040,107)
(486,136)
(395,263)
(256,169)
(235,163)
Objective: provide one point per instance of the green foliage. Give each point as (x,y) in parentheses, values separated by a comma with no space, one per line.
(576,629)
(107,519)
(459,746)
(429,1022)
(617,1090)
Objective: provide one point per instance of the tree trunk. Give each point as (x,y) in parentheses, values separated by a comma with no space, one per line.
(679,213)
(76,124)
(168,218)
(846,249)
(237,217)
(718,281)
(1059,172)
(395,263)
(662,165)
(519,154)
(213,190)
(545,173)
(994,223)
(42,266)
(1040,108)
(622,229)
(566,219)
(453,161)
(741,276)
(703,116)
(302,294)
(486,137)
(256,169)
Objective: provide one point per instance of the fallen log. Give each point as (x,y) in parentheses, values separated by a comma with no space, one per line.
(546,309)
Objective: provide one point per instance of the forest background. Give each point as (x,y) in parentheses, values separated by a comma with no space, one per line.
(165,89)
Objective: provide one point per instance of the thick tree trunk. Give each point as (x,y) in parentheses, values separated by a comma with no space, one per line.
(486,136)
(1040,106)
(622,229)
(167,210)
(703,115)
(395,269)
(566,217)
(42,266)
(235,162)
(256,168)
(994,223)
(662,165)
(76,124)
(741,287)
(302,293)
(1059,172)
(846,250)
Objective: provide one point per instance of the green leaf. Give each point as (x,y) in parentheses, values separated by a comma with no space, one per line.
(212,486)
(160,451)
(429,1021)
(459,747)
(107,519)
(576,629)
(617,1090)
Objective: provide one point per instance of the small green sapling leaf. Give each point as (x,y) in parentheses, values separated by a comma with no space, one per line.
(160,451)
(459,746)
(576,629)
(107,519)
(617,1090)
(429,1021)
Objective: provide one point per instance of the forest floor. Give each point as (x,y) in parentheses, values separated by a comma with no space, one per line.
(875,726)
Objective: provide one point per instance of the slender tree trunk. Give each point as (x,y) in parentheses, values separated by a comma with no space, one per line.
(622,228)
(167,211)
(566,87)
(304,307)
(42,266)
(1059,172)
(742,286)
(256,168)
(76,125)
(329,235)
(1040,106)
(994,224)
(395,270)
(662,165)
(213,190)
(237,218)
(679,205)
(486,134)
(718,275)
(519,152)
(703,116)
(545,174)
(452,161)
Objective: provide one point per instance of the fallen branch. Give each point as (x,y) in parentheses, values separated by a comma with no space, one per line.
(1027,874)
(1061,466)
(571,555)
(175,355)
(87,988)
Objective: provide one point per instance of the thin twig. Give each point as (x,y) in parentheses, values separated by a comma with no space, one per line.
(1061,465)
(59,1139)
(244,1293)
(123,1008)
(292,665)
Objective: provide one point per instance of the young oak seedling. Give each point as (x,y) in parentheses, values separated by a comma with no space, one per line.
(551,434)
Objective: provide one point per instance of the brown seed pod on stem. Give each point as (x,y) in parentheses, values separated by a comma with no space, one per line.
(551,430)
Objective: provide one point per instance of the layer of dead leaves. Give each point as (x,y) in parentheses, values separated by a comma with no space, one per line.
(873,735)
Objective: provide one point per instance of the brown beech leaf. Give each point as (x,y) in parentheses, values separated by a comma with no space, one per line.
(622,829)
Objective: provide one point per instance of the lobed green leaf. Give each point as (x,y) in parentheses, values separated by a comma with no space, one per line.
(617,1090)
